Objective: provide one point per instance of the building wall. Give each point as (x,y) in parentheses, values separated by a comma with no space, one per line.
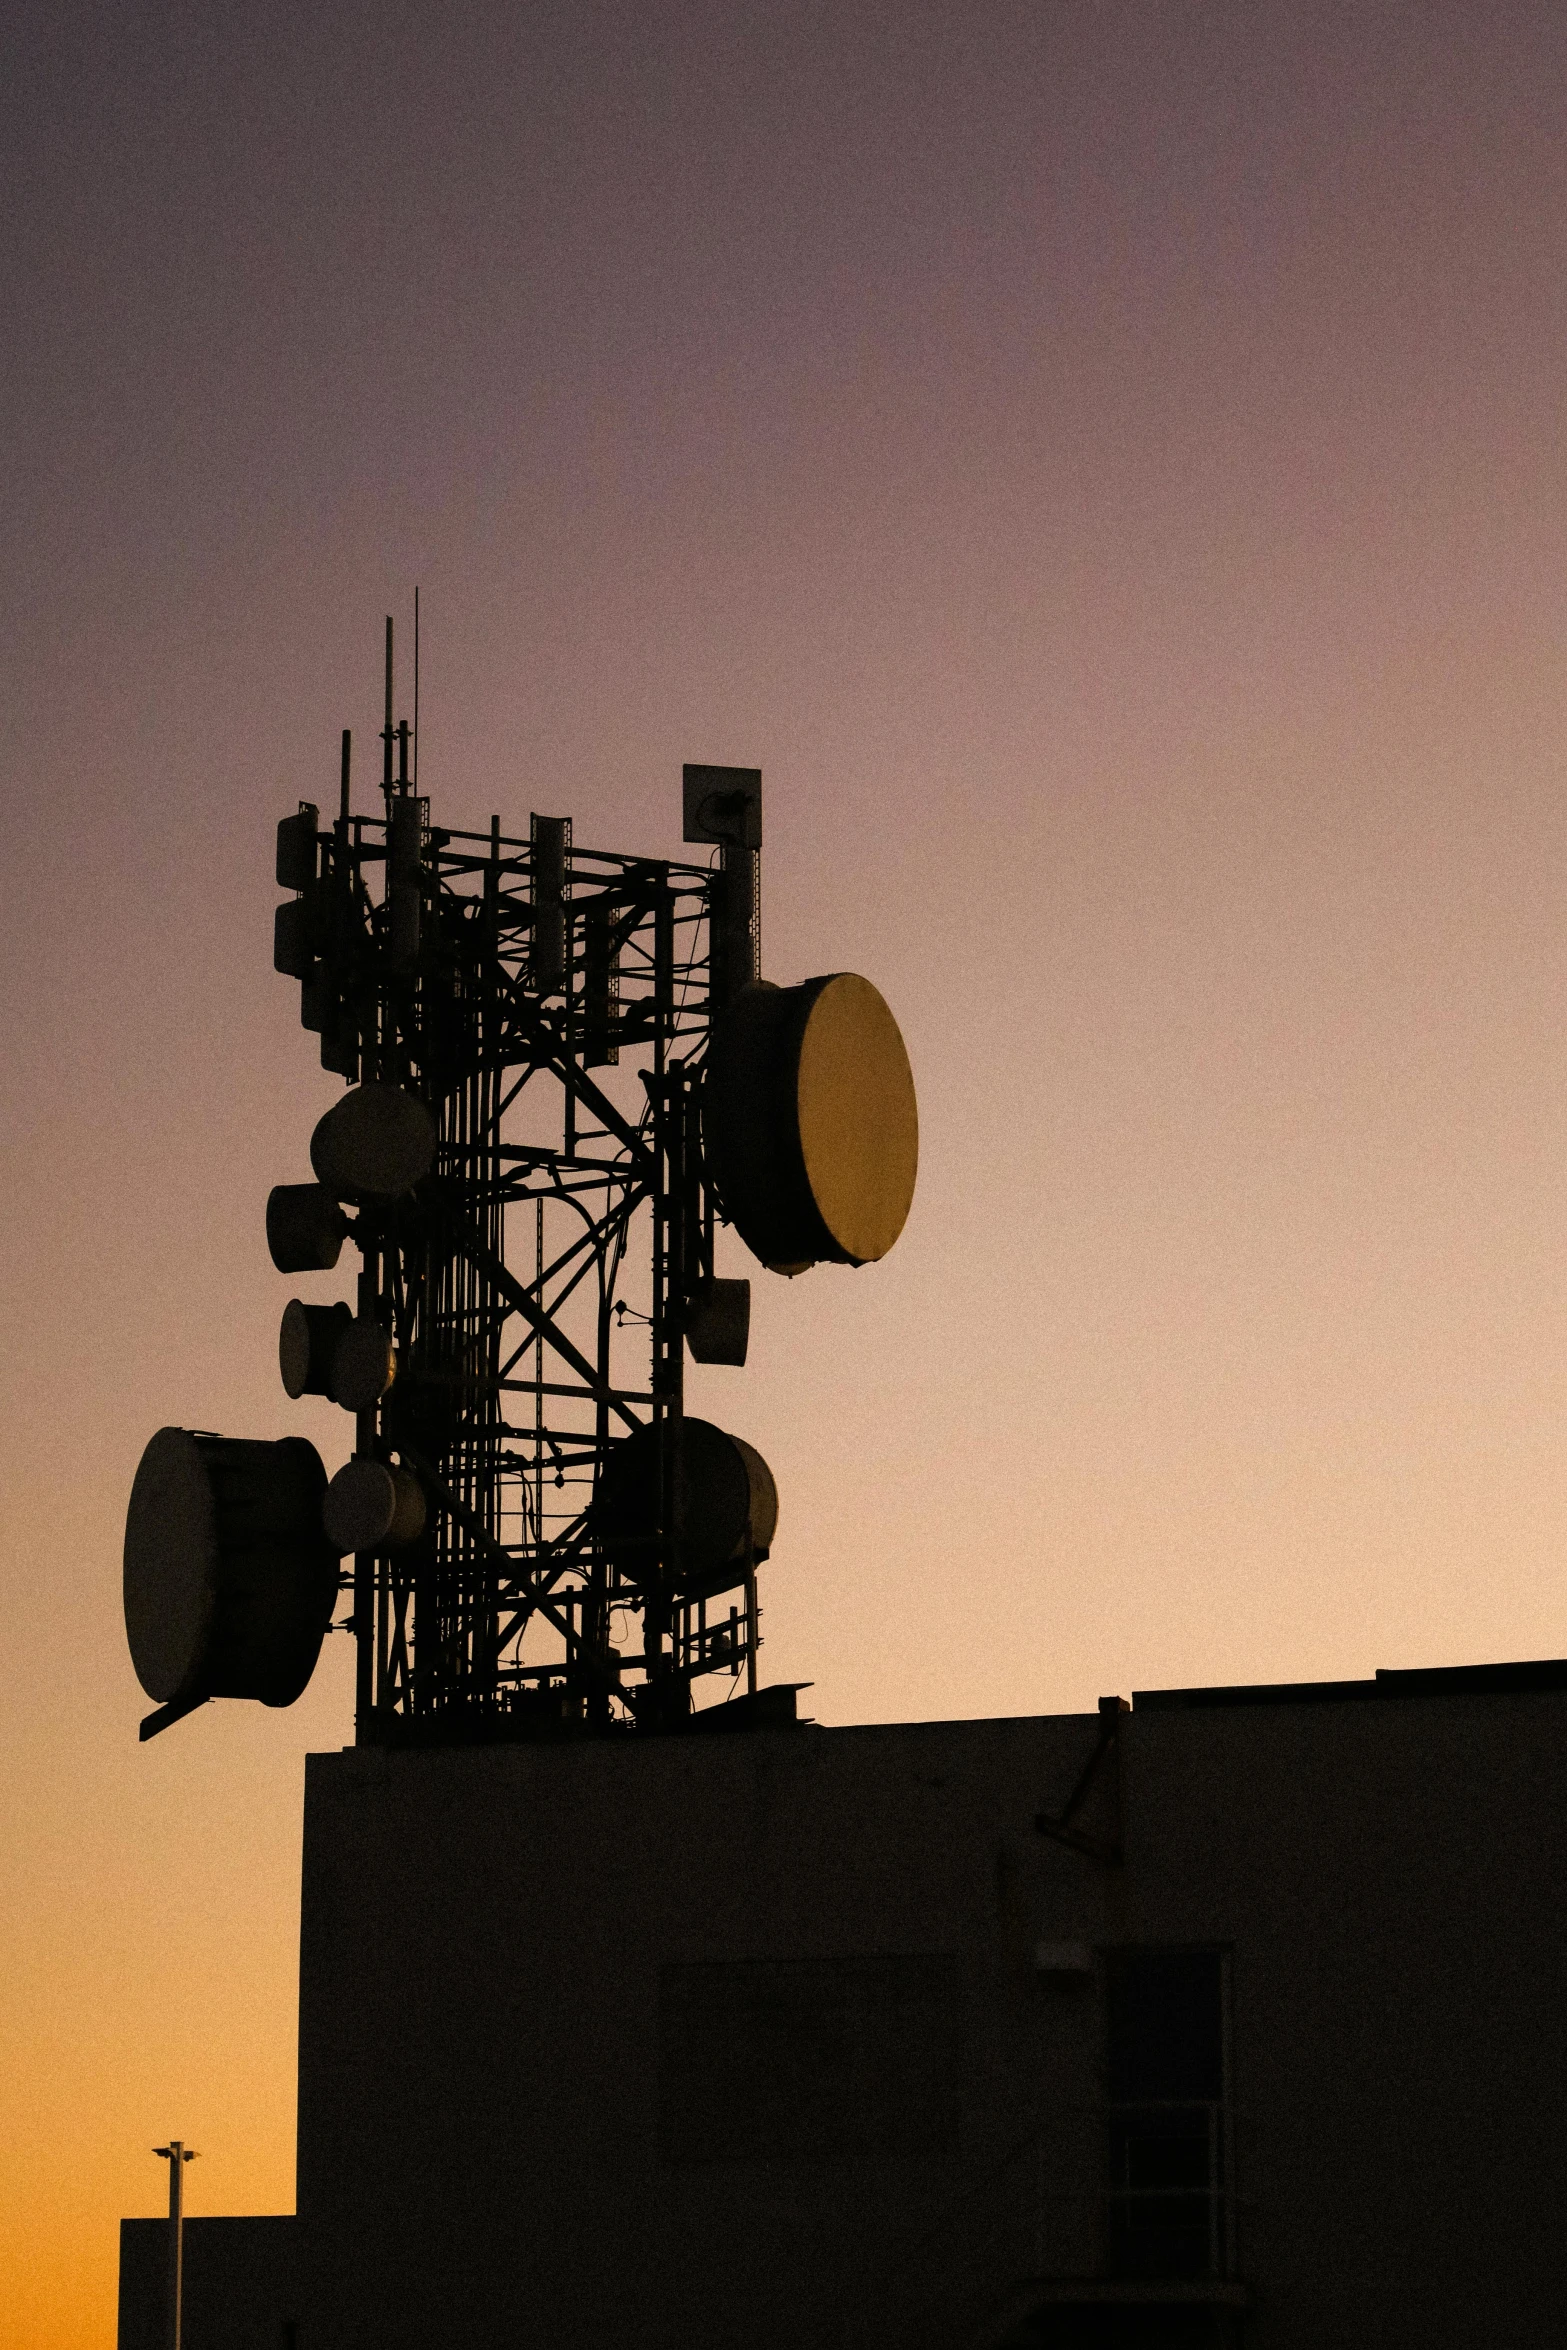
(1391,1876)
(481,2110)
(241,2279)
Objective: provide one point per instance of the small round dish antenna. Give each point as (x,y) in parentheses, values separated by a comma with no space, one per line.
(376,1143)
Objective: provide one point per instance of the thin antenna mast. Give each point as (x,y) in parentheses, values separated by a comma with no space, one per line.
(386,732)
(416,692)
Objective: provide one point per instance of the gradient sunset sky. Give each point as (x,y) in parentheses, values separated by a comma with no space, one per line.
(1105,464)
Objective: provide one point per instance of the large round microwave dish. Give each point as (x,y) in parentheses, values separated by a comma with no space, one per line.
(229,1582)
(858,1122)
(171,1559)
(762,1523)
(725,1505)
(810,1122)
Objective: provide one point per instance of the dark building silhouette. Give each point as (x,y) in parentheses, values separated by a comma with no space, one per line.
(1238,2016)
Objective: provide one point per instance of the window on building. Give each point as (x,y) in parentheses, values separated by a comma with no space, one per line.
(1169,2151)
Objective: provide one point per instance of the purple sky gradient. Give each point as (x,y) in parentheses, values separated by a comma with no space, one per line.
(1104,463)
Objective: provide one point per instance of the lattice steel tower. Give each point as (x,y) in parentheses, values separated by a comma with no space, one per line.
(563,1072)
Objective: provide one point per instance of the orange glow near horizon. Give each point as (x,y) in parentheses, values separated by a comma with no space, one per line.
(1104,465)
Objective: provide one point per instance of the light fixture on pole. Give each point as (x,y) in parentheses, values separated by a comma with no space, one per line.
(176,2154)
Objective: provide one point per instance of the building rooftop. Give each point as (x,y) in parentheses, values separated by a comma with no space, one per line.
(1509,1680)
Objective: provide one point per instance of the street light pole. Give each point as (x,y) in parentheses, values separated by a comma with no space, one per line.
(176,2154)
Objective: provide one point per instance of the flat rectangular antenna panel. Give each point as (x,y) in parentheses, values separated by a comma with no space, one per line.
(724,805)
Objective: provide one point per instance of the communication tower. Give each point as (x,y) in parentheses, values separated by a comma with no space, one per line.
(563,1071)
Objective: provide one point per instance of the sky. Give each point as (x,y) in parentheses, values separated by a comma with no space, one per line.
(1104,464)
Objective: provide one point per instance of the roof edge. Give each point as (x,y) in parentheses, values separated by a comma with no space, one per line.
(1537,1675)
